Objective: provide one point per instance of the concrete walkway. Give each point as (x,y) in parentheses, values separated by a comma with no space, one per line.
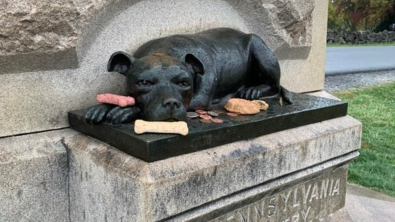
(364,205)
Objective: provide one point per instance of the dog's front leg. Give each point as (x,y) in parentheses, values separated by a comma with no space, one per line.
(122,115)
(110,113)
(97,114)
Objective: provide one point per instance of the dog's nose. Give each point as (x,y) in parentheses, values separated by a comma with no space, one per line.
(171,103)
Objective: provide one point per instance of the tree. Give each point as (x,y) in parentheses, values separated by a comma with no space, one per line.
(359,14)
(337,21)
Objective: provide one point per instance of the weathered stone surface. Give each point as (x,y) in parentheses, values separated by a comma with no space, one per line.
(104,183)
(44,26)
(48,26)
(294,18)
(37,28)
(308,75)
(27,62)
(34,178)
(107,184)
(40,101)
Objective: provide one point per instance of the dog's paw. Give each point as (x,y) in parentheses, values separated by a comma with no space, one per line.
(121,115)
(96,114)
(256,92)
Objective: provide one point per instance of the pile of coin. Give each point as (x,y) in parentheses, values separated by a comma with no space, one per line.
(205,116)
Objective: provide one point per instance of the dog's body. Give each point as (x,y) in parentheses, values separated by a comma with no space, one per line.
(169,75)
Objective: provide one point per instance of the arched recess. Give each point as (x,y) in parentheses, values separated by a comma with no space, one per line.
(126,24)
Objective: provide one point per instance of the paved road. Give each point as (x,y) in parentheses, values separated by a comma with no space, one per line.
(341,60)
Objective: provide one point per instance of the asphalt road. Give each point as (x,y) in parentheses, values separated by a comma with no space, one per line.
(342,60)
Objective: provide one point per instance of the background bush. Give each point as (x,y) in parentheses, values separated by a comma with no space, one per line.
(353,15)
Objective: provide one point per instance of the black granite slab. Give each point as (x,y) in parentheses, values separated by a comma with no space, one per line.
(152,147)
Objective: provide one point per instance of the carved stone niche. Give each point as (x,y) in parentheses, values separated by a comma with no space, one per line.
(63,49)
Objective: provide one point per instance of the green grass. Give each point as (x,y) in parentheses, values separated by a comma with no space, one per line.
(375,108)
(360,45)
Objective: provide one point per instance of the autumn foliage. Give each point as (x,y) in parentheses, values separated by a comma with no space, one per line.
(361,14)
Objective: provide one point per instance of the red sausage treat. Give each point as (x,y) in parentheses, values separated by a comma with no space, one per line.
(121,101)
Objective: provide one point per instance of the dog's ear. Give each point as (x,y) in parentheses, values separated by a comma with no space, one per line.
(194,64)
(120,62)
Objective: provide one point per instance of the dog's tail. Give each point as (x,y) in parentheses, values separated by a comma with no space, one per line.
(286,95)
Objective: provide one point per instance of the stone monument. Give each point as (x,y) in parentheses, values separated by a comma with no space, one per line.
(53,59)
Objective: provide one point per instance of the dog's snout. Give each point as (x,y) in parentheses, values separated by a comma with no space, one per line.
(171,103)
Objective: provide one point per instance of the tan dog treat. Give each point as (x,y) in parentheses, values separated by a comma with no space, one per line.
(121,101)
(141,126)
(262,104)
(242,106)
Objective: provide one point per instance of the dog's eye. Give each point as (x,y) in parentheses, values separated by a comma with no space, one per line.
(144,83)
(183,83)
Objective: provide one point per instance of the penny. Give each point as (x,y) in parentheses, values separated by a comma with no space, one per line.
(192,115)
(199,111)
(205,116)
(212,113)
(205,121)
(232,114)
(217,120)
(219,111)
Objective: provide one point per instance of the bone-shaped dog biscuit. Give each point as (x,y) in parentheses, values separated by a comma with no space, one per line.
(141,126)
(121,101)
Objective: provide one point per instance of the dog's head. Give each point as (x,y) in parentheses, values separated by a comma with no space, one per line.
(161,85)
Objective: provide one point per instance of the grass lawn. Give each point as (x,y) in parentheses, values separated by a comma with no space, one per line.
(375,108)
(360,45)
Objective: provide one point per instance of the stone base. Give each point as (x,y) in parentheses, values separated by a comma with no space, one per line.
(152,147)
(291,175)
(34,177)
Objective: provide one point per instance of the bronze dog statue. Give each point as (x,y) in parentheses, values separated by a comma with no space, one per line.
(171,75)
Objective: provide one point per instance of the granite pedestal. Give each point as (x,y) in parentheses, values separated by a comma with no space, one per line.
(297,174)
